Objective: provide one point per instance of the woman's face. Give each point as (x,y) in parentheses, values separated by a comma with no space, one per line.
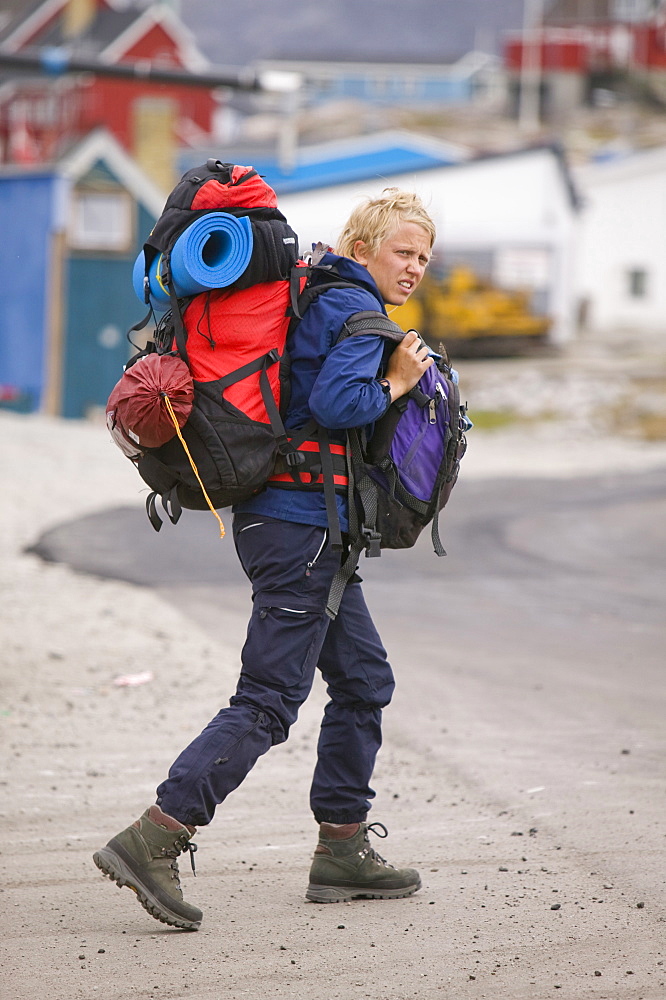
(399,263)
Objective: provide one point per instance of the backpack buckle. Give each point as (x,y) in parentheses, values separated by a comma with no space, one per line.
(372,542)
(293,458)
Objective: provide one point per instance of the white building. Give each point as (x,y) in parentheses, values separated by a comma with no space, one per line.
(513,216)
(477,78)
(622,274)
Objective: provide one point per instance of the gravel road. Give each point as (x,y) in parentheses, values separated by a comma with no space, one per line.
(524,758)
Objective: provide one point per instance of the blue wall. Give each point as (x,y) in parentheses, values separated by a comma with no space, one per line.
(102,308)
(99,303)
(26,208)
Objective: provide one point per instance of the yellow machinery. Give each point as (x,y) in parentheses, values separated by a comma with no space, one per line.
(471,316)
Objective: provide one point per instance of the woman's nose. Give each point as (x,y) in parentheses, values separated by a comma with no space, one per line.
(415,267)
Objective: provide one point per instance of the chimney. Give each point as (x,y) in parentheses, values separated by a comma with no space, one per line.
(154,139)
(78,15)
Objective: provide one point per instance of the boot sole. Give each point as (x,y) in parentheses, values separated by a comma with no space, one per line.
(339,894)
(112,865)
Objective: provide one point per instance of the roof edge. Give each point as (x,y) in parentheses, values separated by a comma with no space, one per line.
(100,144)
(24,29)
(193,59)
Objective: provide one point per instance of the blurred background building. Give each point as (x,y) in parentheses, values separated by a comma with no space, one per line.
(42,115)
(74,228)
(535,130)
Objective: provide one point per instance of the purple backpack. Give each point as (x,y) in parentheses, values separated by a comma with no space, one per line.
(413,458)
(400,480)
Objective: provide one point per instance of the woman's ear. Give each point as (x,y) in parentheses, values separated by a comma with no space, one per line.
(360,252)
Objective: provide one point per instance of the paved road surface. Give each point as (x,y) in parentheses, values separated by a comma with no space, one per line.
(524,760)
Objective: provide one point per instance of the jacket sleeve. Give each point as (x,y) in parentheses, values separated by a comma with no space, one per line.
(346,392)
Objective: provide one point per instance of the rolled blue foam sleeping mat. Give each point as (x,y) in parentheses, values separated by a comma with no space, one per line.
(212,252)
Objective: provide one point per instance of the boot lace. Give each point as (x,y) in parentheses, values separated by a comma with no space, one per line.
(380,831)
(191,849)
(180,846)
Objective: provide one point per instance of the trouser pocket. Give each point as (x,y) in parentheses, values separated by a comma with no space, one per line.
(279,659)
(290,565)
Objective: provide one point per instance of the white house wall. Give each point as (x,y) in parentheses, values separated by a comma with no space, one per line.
(623,229)
(493,204)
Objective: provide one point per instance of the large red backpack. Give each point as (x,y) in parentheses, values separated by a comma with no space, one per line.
(199,411)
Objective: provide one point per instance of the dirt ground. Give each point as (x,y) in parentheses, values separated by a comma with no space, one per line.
(506,911)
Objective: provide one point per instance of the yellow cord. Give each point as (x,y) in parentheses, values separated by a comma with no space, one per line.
(194,468)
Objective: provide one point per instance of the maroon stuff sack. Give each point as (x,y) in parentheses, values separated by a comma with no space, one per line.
(137,413)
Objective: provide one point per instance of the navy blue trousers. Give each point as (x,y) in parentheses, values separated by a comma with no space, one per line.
(289,635)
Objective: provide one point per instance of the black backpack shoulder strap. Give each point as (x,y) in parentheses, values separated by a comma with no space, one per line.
(311,292)
(371,321)
(302,300)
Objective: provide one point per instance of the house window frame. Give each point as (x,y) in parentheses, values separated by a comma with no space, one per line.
(115,207)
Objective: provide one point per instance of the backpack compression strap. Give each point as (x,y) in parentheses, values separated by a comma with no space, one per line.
(180,333)
(361,536)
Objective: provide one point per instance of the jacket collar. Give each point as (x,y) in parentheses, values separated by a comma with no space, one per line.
(351,269)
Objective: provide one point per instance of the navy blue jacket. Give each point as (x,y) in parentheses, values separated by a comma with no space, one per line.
(336,383)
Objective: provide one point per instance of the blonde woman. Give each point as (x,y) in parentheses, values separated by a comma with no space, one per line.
(283,541)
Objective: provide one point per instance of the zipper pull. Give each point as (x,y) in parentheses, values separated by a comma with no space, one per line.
(433,411)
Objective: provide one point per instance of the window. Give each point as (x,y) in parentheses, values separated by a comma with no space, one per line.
(101,220)
(637,281)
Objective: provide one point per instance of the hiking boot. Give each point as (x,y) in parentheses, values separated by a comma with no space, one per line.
(349,868)
(143,857)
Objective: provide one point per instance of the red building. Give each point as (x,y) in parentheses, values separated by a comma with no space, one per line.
(578,44)
(42,115)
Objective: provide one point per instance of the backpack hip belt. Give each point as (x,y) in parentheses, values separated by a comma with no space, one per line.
(308,474)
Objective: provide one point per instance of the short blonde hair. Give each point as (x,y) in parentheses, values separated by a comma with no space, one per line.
(377,219)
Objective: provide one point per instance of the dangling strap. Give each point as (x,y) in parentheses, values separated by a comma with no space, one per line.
(140,326)
(169,407)
(400,495)
(171,504)
(297,274)
(366,490)
(434,534)
(142,323)
(335,535)
(151,511)
(361,536)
